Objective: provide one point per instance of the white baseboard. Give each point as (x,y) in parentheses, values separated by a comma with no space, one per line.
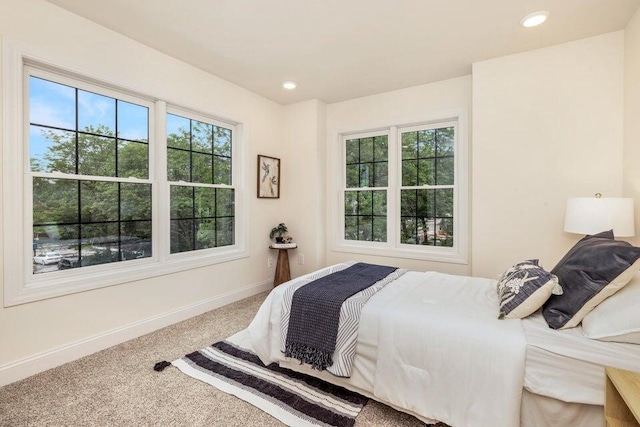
(40,362)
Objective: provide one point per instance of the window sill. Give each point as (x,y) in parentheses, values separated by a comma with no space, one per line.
(448,255)
(73,281)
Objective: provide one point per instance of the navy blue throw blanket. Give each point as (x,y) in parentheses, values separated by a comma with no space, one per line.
(315,312)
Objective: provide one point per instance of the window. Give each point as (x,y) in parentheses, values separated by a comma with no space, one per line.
(426,193)
(365,213)
(106,186)
(84,147)
(199,171)
(403,191)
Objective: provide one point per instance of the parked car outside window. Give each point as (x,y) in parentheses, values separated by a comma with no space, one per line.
(47,258)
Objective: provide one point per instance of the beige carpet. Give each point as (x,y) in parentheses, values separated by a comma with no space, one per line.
(118,386)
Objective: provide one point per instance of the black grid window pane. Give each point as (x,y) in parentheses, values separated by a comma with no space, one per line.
(96,113)
(205,230)
(366,166)
(178,165)
(89,223)
(80,138)
(225,201)
(426,143)
(426,172)
(133,159)
(381,145)
(445,142)
(52,150)
(409,145)
(181,202)
(55,201)
(198,151)
(135,202)
(410,172)
(353,151)
(202,168)
(182,237)
(445,168)
(78,223)
(137,243)
(353,176)
(202,137)
(350,228)
(426,217)
(428,157)
(444,202)
(98,201)
(366,150)
(178,132)
(132,122)
(222,170)
(365,215)
(221,141)
(379,229)
(96,155)
(201,218)
(381,172)
(366,162)
(367,178)
(225,231)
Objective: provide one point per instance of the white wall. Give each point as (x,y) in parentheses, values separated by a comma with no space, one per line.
(303,183)
(389,108)
(547,124)
(33,328)
(632,116)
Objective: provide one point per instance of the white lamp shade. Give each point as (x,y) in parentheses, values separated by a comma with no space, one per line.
(591,215)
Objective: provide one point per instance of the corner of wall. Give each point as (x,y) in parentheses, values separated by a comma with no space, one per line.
(631,150)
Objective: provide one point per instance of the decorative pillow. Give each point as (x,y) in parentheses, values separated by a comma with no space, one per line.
(524,288)
(616,319)
(593,270)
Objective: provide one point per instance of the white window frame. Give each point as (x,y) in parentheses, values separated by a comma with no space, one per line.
(20,284)
(457,254)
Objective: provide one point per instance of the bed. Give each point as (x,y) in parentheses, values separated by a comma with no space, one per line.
(431,344)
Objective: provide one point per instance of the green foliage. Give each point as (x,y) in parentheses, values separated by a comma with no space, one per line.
(199,152)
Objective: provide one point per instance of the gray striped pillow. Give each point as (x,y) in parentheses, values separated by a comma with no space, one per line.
(524,288)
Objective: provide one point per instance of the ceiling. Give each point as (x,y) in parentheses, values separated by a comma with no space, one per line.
(342,49)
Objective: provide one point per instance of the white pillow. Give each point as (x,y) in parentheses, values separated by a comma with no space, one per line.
(618,317)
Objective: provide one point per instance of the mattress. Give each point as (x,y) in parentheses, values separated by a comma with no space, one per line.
(566,365)
(426,344)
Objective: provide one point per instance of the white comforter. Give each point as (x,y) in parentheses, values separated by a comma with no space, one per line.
(429,344)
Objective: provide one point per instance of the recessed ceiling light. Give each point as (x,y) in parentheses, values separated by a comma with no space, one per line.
(289,85)
(535,18)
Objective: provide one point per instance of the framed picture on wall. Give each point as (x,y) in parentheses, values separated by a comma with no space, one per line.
(268,177)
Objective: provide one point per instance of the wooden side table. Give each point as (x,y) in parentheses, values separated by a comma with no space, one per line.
(283,273)
(622,399)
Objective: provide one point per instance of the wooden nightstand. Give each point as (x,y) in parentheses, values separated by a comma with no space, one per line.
(283,273)
(622,400)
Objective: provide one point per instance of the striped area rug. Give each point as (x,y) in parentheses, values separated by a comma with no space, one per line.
(293,398)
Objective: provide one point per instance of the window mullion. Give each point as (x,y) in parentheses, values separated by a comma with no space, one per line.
(160,203)
(393,192)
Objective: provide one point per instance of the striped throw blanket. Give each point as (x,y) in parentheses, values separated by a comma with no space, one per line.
(321,315)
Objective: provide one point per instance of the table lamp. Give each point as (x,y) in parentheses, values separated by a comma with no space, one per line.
(592,215)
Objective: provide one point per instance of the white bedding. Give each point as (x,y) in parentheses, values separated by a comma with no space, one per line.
(566,365)
(430,344)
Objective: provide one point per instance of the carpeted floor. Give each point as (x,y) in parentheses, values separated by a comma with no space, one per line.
(118,386)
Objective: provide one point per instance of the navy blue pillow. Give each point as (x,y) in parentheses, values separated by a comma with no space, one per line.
(593,270)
